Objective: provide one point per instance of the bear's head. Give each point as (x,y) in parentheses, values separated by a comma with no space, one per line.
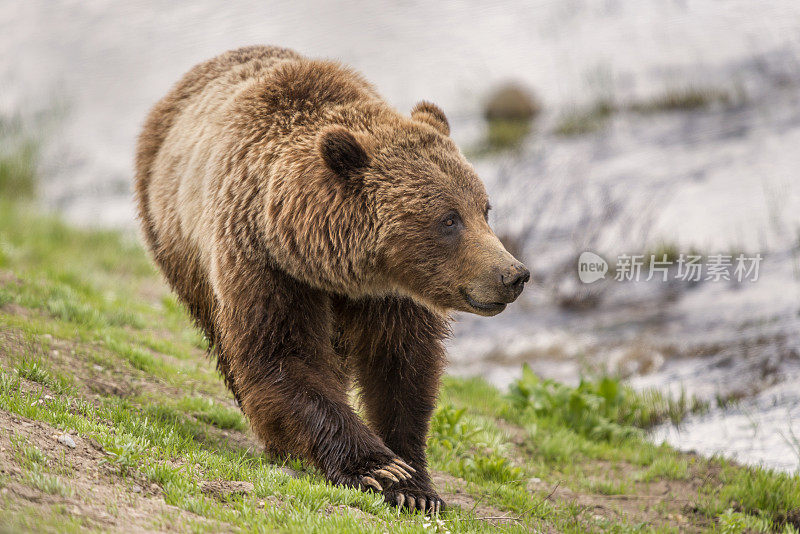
(429,210)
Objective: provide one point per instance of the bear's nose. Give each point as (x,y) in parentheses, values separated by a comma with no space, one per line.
(516,277)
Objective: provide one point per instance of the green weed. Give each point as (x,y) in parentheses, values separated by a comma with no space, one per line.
(27,455)
(33,369)
(48,483)
(208,411)
(581,121)
(492,468)
(452,432)
(683,99)
(604,409)
(125,453)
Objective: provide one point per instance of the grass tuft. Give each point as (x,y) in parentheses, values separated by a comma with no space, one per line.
(580,121)
(18,159)
(683,99)
(604,409)
(50,484)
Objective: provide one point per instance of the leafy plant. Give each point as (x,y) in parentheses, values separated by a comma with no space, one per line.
(604,409)
(592,409)
(126,453)
(731,522)
(26,454)
(492,467)
(452,431)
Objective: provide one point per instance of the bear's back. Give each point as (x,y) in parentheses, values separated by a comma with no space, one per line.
(235,139)
(161,121)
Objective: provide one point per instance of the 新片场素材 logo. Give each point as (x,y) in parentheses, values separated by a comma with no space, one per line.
(684,267)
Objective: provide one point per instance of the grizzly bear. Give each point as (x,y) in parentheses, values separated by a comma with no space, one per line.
(316,234)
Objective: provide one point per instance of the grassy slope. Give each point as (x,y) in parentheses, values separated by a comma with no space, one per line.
(92,343)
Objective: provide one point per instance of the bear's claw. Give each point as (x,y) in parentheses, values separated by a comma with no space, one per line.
(404,465)
(372,483)
(395,481)
(392,473)
(396,471)
(386,474)
(404,501)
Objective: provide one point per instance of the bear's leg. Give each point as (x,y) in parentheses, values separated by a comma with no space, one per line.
(394,347)
(275,333)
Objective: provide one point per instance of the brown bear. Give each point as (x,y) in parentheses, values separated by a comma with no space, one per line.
(316,234)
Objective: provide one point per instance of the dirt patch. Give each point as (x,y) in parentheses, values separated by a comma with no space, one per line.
(94,491)
(454,492)
(111,377)
(657,503)
(74,360)
(8,278)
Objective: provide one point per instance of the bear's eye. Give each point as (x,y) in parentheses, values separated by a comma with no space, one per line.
(486,212)
(450,223)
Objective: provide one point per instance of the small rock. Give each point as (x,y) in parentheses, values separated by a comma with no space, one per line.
(136,489)
(66,439)
(97,367)
(225,489)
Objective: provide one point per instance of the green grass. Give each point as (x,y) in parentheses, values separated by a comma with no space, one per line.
(212,412)
(27,455)
(18,156)
(604,409)
(595,117)
(83,309)
(683,99)
(580,121)
(47,483)
(667,468)
(506,134)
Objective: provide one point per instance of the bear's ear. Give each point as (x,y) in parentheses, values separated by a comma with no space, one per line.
(341,151)
(432,115)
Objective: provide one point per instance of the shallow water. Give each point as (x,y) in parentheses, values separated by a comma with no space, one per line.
(717,180)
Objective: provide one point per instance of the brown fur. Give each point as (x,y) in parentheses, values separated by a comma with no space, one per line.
(298,216)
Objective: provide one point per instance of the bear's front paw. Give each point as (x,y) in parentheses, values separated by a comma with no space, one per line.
(393,472)
(411,497)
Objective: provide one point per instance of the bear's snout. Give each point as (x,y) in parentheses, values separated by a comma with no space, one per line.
(491,293)
(513,279)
